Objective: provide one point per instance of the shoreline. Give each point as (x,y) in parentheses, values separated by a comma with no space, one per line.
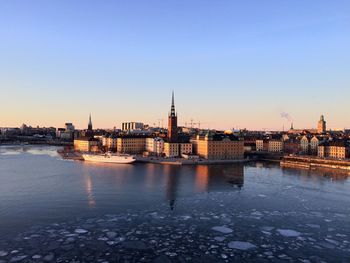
(313,163)
(168,161)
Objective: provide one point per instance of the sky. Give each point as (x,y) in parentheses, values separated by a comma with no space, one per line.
(231,64)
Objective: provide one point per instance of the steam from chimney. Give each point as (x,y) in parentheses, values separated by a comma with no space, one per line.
(286,116)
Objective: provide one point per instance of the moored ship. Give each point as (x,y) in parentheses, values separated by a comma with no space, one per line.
(109,158)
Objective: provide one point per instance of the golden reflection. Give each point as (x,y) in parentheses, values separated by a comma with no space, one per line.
(171,184)
(202,177)
(89,190)
(150,176)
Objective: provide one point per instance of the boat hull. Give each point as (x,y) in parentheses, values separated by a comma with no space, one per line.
(108,159)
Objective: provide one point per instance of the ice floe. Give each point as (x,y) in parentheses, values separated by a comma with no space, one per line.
(222,229)
(241,245)
(288,232)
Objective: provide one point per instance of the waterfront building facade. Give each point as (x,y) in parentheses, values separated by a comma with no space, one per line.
(171,150)
(338,149)
(219,147)
(291,146)
(262,145)
(314,142)
(86,145)
(155,146)
(305,145)
(275,146)
(131,144)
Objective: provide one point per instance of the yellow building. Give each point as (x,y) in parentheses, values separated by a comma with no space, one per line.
(219,147)
(86,145)
(337,150)
(131,144)
(171,150)
(275,145)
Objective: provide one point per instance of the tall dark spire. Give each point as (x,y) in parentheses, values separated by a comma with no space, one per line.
(90,123)
(172,122)
(172,111)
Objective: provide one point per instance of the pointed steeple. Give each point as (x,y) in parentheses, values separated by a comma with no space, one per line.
(291,126)
(172,110)
(90,123)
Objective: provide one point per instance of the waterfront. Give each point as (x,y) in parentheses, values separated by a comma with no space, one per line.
(57,209)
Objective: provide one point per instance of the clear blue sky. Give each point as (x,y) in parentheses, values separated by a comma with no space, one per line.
(231,63)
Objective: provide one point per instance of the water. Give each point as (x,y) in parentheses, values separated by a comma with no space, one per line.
(51,207)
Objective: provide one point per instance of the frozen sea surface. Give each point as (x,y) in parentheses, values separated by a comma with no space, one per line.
(56,211)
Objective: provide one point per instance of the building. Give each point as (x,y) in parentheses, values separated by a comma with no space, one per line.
(186,148)
(219,147)
(172,123)
(171,150)
(321,127)
(86,144)
(291,146)
(64,134)
(262,145)
(155,146)
(338,149)
(132,126)
(69,127)
(305,145)
(314,142)
(275,145)
(109,142)
(131,144)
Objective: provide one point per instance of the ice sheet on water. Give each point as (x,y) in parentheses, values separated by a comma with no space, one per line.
(80,231)
(288,232)
(241,245)
(222,229)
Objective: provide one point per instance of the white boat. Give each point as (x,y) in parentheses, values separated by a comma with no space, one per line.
(109,158)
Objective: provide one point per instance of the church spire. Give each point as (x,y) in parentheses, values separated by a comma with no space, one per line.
(172,111)
(90,123)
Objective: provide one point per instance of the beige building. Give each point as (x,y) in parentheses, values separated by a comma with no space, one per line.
(131,144)
(337,150)
(186,148)
(109,143)
(275,145)
(171,150)
(262,145)
(155,146)
(86,145)
(219,147)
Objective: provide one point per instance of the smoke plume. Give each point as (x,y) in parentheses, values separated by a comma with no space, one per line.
(286,116)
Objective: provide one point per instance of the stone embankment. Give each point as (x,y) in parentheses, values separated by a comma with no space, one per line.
(308,162)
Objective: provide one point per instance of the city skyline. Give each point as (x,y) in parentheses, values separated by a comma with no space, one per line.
(230,64)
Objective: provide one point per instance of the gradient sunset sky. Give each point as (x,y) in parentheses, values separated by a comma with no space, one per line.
(230,63)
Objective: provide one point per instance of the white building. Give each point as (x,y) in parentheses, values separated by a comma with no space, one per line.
(155,146)
(131,126)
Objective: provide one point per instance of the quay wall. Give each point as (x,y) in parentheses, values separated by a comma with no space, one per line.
(314,163)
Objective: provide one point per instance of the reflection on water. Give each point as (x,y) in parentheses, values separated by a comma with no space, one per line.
(36,188)
(318,174)
(202,179)
(89,191)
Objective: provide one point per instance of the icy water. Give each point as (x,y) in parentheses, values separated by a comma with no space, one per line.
(53,210)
